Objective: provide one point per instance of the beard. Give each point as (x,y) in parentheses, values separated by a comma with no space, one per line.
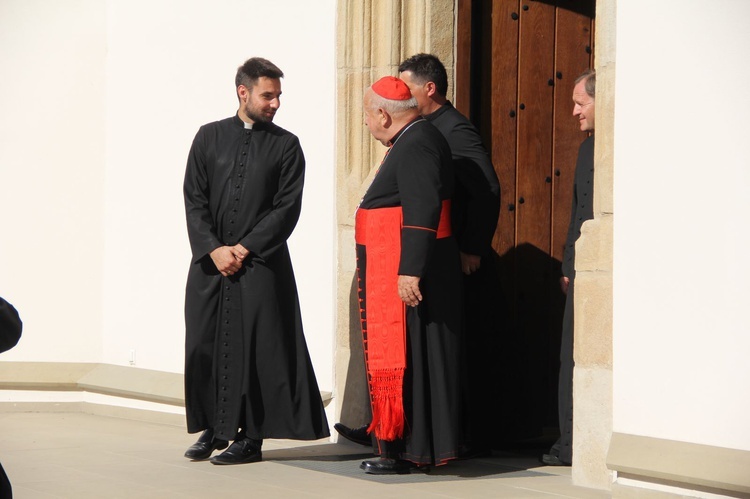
(258,115)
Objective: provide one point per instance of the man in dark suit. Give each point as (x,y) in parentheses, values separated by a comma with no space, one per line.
(474,215)
(561,453)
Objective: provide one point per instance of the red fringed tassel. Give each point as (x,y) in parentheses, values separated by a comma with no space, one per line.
(388,419)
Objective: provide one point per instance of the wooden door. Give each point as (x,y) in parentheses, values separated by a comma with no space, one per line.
(515,67)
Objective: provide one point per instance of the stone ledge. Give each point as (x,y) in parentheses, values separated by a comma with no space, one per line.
(120,381)
(680,464)
(107,379)
(113,411)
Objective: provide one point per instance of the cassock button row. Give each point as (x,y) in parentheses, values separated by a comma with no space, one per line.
(226,344)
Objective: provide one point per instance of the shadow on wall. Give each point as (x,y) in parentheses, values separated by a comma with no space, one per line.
(355,401)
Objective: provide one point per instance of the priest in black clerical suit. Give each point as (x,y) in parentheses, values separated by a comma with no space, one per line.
(582,209)
(474,213)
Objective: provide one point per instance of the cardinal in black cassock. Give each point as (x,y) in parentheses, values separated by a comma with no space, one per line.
(409,288)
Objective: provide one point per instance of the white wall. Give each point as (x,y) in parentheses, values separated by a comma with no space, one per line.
(682,202)
(163,69)
(52,167)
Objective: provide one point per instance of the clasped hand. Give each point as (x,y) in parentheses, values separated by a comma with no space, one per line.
(228,259)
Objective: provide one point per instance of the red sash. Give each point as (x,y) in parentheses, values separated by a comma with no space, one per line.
(384,316)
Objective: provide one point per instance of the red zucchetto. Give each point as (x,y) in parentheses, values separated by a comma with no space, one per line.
(392,88)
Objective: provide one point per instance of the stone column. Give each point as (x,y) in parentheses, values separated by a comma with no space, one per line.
(592,379)
(373,37)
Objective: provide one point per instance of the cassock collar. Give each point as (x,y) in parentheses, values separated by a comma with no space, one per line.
(442,109)
(236,120)
(406,127)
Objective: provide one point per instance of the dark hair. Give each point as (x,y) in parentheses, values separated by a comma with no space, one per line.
(590,76)
(427,67)
(254,68)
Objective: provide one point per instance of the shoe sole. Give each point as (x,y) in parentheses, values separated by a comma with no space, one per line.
(254,459)
(387,472)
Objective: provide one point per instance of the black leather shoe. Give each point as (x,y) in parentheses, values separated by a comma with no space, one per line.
(356,435)
(205,445)
(387,466)
(552,460)
(242,451)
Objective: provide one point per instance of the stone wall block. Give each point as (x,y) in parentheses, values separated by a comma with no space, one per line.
(593,320)
(415,33)
(594,247)
(442,21)
(592,420)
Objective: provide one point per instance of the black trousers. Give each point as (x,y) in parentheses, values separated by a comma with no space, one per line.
(563,448)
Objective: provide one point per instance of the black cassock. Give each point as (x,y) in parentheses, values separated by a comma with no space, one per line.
(246,361)
(475,211)
(417,174)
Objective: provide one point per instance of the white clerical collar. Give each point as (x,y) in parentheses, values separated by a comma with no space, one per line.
(248,126)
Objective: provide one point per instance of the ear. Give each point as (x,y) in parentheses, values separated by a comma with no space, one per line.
(384,118)
(430,88)
(242,93)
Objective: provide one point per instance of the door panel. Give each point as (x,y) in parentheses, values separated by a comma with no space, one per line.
(516,87)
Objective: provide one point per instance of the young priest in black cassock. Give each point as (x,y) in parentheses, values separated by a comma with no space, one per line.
(248,374)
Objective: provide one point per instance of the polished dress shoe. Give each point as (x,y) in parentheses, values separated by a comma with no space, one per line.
(387,466)
(246,450)
(205,445)
(356,435)
(552,460)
